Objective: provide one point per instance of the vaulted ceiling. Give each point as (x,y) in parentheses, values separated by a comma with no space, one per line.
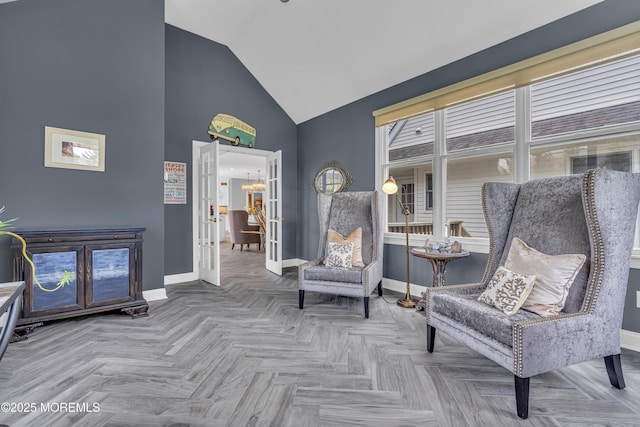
(313,56)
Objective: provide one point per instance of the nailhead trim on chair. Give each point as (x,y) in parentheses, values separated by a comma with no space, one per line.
(595,281)
(518,329)
(485,211)
(597,268)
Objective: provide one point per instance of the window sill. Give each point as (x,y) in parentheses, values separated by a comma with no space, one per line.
(470,244)
(476,245)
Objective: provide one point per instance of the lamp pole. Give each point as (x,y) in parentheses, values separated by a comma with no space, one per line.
(390,187)
(407,302)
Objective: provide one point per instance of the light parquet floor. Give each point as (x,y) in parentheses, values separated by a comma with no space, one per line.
(243,354)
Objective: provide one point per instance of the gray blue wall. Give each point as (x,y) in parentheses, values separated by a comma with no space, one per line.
(347,133)
(204,78)
(90,65)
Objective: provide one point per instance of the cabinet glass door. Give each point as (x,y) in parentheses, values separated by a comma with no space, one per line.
(109,274)
(53,268)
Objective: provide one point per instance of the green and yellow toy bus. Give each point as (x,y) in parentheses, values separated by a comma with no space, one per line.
(232,129)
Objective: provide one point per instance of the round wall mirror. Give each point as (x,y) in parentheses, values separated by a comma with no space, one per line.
(331,178)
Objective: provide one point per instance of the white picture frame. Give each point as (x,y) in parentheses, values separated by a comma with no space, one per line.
(72,149)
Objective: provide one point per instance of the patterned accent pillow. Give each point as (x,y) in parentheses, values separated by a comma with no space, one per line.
(339,255)
(354,237)
(554,276)
(507,290)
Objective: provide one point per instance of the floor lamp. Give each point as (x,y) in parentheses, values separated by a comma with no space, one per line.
(390,187)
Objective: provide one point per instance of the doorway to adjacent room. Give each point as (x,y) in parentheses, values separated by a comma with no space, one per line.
(212,163)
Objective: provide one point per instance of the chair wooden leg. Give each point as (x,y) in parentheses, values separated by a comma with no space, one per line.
(614,369)
(241,245)
(233,245)
(522,396)
(366,307)
(301,299)
(431,338)
(380,289)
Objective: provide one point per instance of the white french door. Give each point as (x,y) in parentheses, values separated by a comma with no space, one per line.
(208,219)
(273,238)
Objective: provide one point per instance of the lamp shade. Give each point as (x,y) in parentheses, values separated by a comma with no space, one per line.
(390,186)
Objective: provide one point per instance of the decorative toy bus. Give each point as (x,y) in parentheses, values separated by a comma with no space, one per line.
(232,129)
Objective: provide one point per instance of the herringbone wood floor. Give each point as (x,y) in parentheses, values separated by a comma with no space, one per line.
(244,354)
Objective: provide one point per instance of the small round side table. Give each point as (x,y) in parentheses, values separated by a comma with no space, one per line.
(439,261)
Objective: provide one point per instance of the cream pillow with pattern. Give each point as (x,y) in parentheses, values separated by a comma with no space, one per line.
(355,237)
(339,255)
(507,291)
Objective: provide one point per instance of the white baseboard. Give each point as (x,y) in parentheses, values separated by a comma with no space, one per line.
(292,262)
(630,340)
(180,278)
(155,294)
(398,286)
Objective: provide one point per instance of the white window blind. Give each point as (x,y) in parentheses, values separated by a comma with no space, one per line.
(599,96)
(485,121)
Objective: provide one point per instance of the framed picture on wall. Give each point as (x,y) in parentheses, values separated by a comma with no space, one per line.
(72,149)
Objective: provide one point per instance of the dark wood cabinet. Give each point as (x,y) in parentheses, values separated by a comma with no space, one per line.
(102,269)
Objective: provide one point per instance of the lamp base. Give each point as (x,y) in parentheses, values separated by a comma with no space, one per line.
(406,303)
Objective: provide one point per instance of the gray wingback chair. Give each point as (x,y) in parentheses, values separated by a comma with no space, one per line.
(593,214)
(344,212)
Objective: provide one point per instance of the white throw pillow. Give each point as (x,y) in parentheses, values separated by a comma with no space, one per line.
(339,255)
(507,290)
(554,276)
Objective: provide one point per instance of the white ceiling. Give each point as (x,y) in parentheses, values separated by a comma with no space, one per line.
(313,56)
(237,165)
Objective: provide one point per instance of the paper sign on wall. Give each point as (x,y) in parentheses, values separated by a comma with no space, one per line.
(175,183)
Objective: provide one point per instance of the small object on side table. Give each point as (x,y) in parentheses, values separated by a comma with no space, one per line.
(439,261)
(456,247)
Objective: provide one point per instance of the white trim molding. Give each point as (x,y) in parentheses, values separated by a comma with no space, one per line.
(292,262)
(155,294)
(398,286)
(630,340)
(475,245)
(172,279)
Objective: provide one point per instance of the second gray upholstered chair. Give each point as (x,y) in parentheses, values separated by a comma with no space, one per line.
(592,214)
(345,212)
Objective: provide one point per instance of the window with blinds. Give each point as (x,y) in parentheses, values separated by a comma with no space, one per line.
(481,123)
(596,97)
(560,113)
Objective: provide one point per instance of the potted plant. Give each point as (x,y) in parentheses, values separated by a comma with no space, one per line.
(67,276)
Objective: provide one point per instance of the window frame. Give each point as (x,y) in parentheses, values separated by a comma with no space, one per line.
(428,201)
(521,149)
